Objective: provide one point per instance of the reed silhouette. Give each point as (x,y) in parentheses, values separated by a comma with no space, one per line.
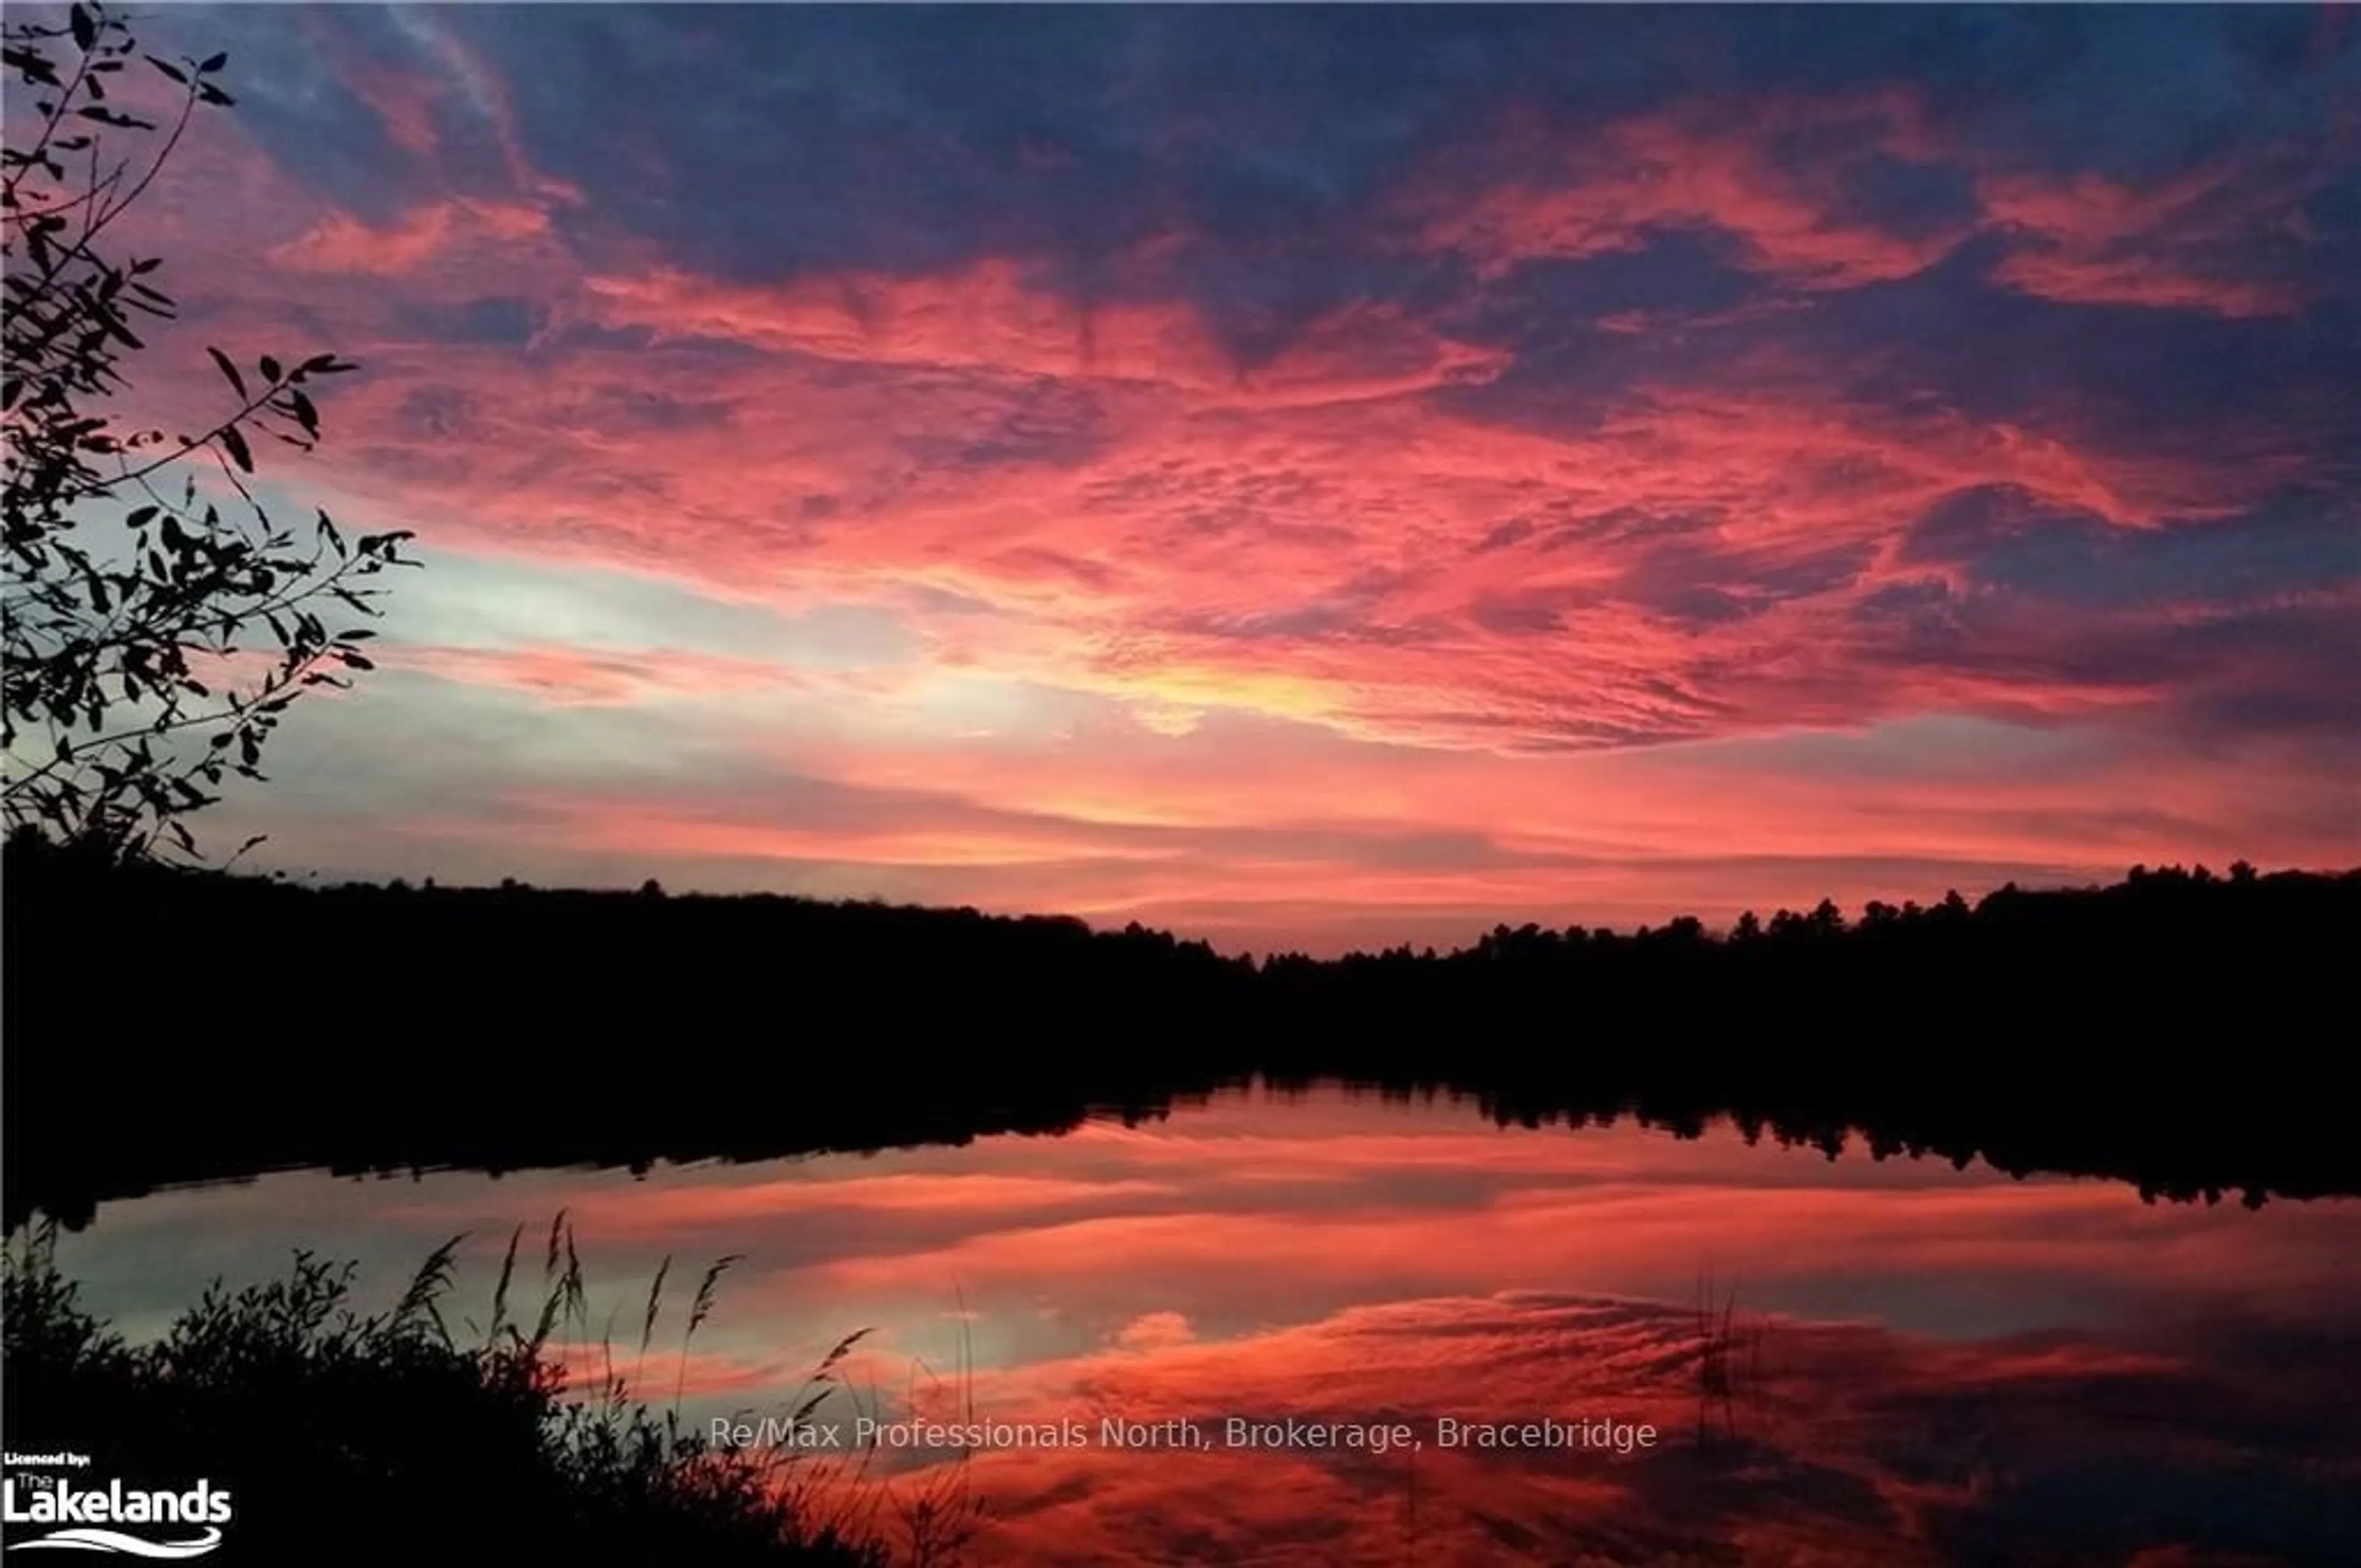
(1729,1360)
(167,1025)
(387,1438)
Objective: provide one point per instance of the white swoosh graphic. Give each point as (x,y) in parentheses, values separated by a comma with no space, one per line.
(87,1537)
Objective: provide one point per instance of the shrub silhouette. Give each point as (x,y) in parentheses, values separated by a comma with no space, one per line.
(360,1439)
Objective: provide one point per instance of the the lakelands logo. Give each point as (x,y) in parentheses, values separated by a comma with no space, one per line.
(73,1515)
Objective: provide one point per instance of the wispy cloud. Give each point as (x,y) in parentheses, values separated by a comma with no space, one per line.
(1465,394)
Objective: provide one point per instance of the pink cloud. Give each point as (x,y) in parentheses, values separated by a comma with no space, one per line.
(1089,503)
(2091,240)
(341,242)
(1596,192)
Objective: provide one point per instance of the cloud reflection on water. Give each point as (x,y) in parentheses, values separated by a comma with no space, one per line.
(1945,1366)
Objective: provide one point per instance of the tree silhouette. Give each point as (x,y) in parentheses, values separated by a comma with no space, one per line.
(156,632)
(2164,1031)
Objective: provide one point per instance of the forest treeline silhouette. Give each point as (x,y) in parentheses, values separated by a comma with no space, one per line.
(2175,1030)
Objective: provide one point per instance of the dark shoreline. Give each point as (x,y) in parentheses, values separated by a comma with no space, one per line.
(71,1193)
(2159,1032)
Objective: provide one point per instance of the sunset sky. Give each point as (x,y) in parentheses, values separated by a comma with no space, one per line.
(1313,476)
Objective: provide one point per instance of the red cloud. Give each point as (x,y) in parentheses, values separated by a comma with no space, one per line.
(1131,560)
(340,243)
(992,316)
(1592,192)
(2093,241)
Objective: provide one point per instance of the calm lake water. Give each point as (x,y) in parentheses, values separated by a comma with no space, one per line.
(1922,1365)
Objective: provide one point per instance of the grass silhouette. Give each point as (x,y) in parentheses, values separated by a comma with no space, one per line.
(360,1438)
